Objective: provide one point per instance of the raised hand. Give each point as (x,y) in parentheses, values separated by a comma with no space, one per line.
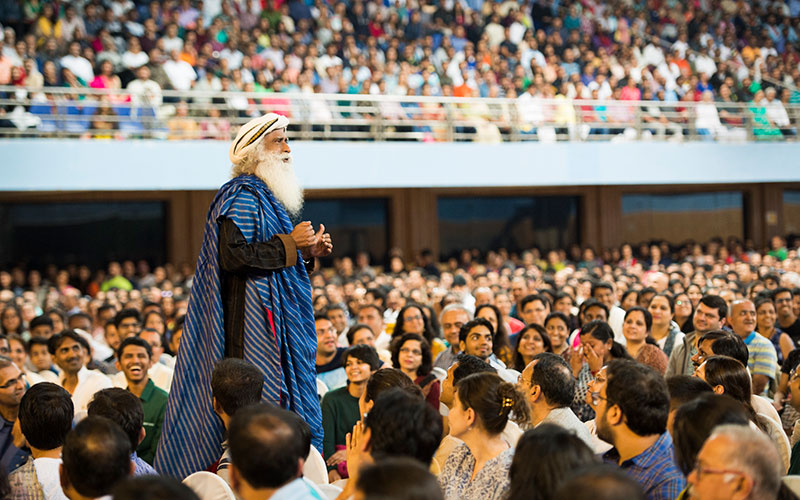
(303,235)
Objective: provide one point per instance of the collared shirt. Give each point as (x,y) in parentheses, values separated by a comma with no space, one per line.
(654,469)
(154,404)
(763,359)
(566,418)
(445,359)
(11,457)
(89,382)
(159,373)
(298,489)
(141,468)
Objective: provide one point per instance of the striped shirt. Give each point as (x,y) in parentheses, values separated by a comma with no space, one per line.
(763,360)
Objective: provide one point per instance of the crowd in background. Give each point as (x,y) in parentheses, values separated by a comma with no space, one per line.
(721,53)
(500,359)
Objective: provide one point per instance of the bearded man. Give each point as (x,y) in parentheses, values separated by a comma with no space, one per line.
(251,299)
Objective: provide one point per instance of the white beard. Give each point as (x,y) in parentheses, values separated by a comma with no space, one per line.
(276,171)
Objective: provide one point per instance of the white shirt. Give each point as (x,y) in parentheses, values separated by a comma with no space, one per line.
(131,60)
(145,91)
(616,316)
(89,382)
(79,66)
(180,74)
(48,476)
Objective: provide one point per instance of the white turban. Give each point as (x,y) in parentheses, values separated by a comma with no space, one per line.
(251,134)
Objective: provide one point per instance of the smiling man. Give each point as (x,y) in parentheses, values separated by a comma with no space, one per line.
(78,380)
(763,360)
(12,388)
(329,355)
(476,338)
(135,356)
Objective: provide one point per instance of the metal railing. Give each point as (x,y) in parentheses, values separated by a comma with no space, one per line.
(120,114)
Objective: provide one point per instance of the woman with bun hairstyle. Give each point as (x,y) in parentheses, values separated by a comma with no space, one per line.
(478,469)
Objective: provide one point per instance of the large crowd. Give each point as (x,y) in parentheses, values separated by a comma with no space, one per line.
(650,372)
(720,53)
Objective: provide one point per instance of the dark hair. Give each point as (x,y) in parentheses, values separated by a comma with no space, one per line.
(37,341)
(685,388)
(715,302)
(602,331)
(557,315)
(79,315)
(554,376)
(399,325)
(235,383)
(56,340)
(732,375)
(365,354)
(629,292)
(388,378)
(543,459)
(524,301)
(695,420)
(265,446)
(517,362)
(469,364)
(764,300)
(122,408)
(589,303)
(641,394)
(469,325)
(398,478)
(648,318)
(601,284)
(403,424)
(427,357)
(599,482)
(781,289)
(41,320)
(351,332)
(45,415)
(500,339)
(125,314)
(12,307)
(139,342)
(724,343)
(493,400)
(669,297)
(96,456)
(152,487)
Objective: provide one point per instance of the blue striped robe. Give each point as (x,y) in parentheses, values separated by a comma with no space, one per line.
(192,432)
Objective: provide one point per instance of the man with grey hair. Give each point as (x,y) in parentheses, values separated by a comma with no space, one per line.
(251,298)
(737,462)
(452,318)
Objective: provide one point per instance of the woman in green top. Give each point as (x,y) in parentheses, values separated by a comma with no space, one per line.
(340,407)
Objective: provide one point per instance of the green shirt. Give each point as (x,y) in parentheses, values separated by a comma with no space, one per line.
(154,404)
(339,415)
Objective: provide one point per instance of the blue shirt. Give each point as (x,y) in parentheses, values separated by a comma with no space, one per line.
(11,457)
(142,468)
(654,469)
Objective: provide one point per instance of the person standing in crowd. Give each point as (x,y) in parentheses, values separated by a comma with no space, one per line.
(252,259)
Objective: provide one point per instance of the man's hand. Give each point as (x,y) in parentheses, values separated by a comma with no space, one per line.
(303,235)
(322,245)
(336,458)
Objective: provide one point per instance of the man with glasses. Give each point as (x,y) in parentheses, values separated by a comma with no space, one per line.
(550,387)
(79,381)
(736,462)
(709,315)
(632,405)
(12,388)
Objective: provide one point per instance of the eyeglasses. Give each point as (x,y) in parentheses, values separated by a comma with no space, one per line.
(701,470)
(596,398)
(14,381)
(408,350)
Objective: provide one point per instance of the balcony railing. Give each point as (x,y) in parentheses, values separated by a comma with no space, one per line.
(119,114)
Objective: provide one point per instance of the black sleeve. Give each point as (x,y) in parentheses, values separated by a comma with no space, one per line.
(238,256)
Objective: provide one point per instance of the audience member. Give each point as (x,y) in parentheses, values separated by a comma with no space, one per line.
(45,418)
(397,479)
(80,382)
(95,458)
(12,389)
